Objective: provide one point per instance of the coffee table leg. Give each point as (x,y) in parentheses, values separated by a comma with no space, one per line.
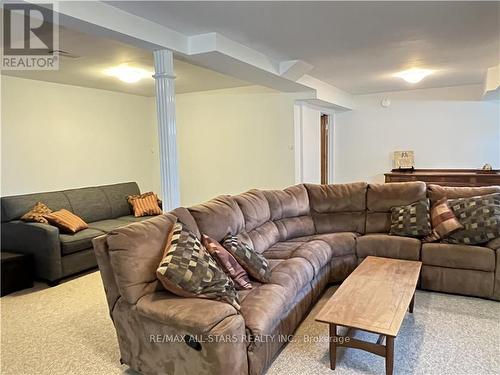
(389,355)
(412,303)
(333,346)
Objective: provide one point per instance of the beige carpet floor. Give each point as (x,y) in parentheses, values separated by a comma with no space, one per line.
(66,330)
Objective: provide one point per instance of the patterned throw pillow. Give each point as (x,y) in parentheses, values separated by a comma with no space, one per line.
(254,263)
(188,270)
(412,220)
(146,204)
(444,221)
(66,221)
(480,217)
(35,215)
(227,262)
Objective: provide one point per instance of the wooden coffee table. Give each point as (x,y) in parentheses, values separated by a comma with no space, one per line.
(374,298)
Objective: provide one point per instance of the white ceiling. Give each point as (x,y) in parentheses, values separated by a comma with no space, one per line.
(94,54)
(356,46)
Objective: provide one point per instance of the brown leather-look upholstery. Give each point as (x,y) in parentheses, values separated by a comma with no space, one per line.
(380,198)
(312,235)
(436,192)
(338,208)
(384,245)
(218,217)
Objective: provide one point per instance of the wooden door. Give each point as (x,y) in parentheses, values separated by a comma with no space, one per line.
(324,148)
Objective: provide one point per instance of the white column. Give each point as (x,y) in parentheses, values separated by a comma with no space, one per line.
(167,134)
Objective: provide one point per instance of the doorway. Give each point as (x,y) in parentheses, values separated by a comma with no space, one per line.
(324,147)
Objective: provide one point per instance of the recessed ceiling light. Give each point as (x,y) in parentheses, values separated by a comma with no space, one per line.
(414,75)
(128,73)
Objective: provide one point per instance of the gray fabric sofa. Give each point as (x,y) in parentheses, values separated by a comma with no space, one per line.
(58,255)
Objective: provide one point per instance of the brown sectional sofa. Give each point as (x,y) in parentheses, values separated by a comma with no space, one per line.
(313,235)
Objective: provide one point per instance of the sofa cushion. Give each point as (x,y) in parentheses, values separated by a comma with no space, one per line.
(341,244)
(289,210)
(255,208)
(437,192)
(290,202)
(90,203)
(188,270)
(132,219)
(82,240)
(380,198)
(338,208)
(191,314)
(318,253)
(135,251)
(264,306)
(16,206)
(264,236)
(187,219)
(282,250)
(117,196)
(384,245)
(218,217)
(413,220)
(458,256)
(108,225)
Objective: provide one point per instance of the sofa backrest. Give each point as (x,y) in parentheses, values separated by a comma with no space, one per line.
(289,211)
(218,217)
(381,197)
(259,229)
(436,192)
(135,251)
(90,203)
(338,207)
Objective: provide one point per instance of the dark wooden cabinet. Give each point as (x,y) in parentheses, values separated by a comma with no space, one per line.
(446,177)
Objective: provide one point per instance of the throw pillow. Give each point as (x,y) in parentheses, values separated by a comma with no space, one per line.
(66,221)
(135,196)
(145,204)
(188,270)
(412,220)
(35,215)
(480,217)
(254,263)
(444,221)
(227,262)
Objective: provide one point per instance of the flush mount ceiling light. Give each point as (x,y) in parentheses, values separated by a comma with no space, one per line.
(414,75)
(127,73)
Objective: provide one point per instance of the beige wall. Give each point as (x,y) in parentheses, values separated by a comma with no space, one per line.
(233,140)
(446,127)
(58,136)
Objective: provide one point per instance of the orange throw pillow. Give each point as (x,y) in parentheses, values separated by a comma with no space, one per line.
(145,205)
(66,221)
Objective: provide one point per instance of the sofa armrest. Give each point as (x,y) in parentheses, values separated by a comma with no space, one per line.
(40,240)
(494,244)
(196,315)
(209,333)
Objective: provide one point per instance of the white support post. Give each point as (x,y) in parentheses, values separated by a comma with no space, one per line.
(167,134)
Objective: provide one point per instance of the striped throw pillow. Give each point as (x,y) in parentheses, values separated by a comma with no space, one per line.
(66,221)
(444,221)
(145,205)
